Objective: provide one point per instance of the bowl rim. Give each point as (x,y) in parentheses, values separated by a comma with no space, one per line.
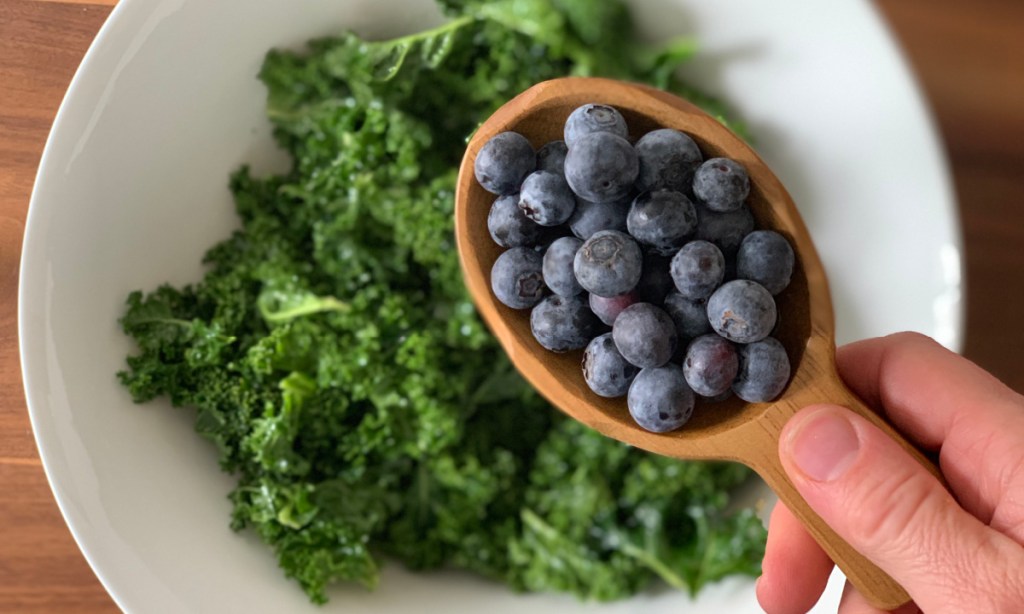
(31,289)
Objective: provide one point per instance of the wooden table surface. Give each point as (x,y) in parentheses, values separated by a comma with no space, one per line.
(969,57)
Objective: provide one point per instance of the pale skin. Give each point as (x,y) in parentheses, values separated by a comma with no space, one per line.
(954,551)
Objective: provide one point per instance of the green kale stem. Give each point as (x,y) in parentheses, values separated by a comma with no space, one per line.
(646,557)
(307,306)
(548,532)
(656,565)
(444,28)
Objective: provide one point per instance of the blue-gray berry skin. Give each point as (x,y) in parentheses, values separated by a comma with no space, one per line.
(710,365)
(656,280)
(763,371)
(509,226)
(662,219)
(698,269)
(766,257)
(504,162)
(551,157)
(517,278)
(590,217)
(608,308)
(601,167)
(645,335)
(558,262)
(668,159)
(721,184)
(592,118)
(725,230)
(605,370)
(608,263)
(659,399)
(546,198)
(563,323)
(742,311)
(690,317)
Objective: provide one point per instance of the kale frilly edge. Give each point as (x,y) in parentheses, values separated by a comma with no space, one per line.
(332,355)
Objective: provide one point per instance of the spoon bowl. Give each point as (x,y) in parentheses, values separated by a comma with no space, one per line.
(731,430)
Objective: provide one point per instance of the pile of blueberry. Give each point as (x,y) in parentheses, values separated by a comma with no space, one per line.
(647,238)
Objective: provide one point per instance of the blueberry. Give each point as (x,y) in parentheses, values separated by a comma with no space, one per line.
(763,371)
(766,257)
(659,399)
(725,230)
(592,118)
(590,217)
(608,263)
(509,227)
(662,219)
(721,184)
(609,308)
(546,198)
(698,269)
(601,167)
(558,273)
(645,335)
(656,280)
(551,157)
(563,323)
(517,278)
(504,162)
(690,317)
(710,365)
(668,159)
(742,311)
(605,370)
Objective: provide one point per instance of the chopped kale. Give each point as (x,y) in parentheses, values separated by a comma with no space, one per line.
(333,356)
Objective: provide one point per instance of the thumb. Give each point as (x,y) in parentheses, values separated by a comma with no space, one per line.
(889,508)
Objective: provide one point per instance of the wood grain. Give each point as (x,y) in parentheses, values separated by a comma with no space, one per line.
(969,58)
(41,568)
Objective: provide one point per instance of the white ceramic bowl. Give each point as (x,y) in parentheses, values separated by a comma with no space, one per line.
(132,189)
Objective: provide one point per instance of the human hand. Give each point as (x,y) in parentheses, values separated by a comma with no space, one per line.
(957,555)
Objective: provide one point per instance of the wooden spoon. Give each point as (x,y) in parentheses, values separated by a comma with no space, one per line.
(732,430)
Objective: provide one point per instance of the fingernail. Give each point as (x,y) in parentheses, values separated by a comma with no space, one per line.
(824,445)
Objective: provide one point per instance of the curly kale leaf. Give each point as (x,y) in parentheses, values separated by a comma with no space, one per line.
(332,356)
(603,521)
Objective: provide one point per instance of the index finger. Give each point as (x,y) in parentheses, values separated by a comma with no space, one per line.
(926,390)
(943,401)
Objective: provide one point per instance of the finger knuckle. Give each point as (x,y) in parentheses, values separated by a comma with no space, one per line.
(896,510)
(987,576)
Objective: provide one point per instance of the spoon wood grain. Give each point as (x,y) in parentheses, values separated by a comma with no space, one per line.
(732,430)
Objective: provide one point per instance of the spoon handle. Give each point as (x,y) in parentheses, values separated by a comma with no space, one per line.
(826,386)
